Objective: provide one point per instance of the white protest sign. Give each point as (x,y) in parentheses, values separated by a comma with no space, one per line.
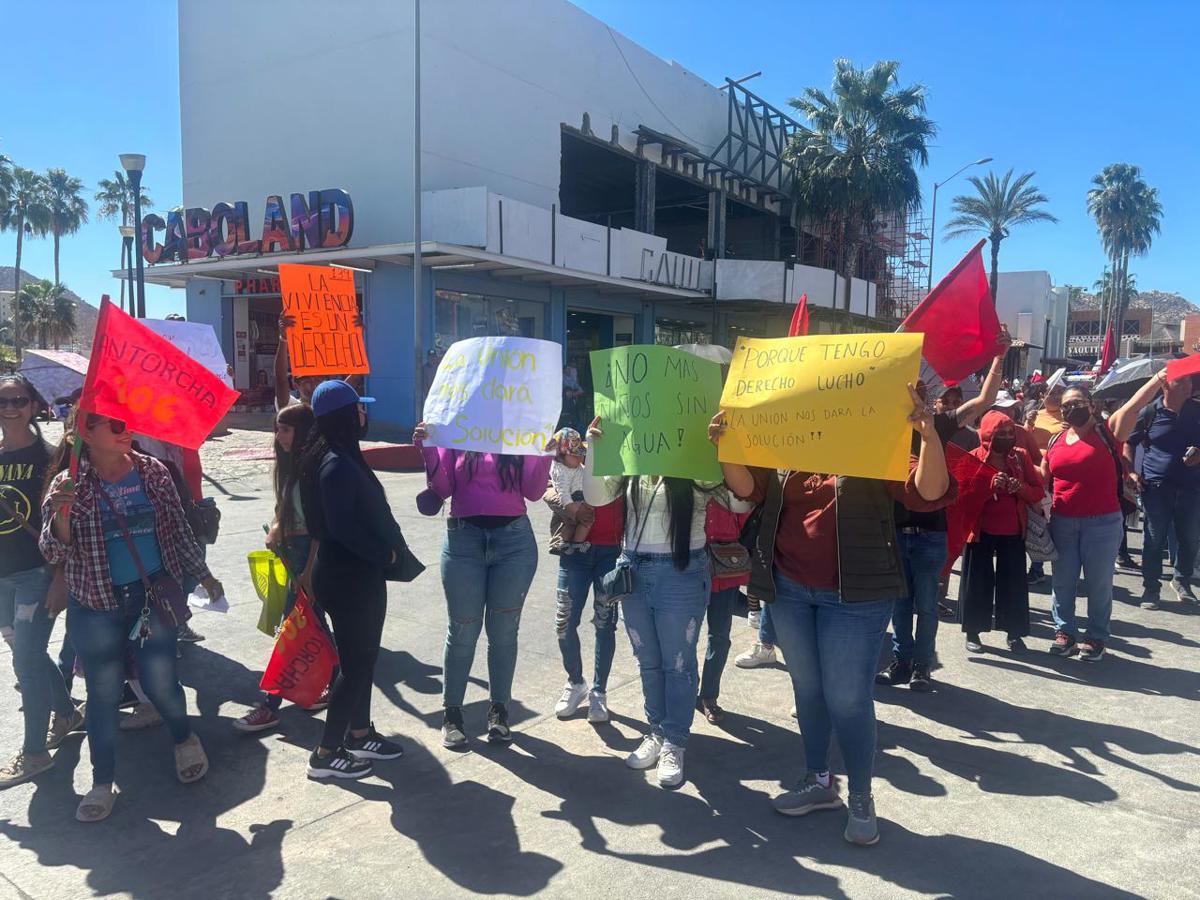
(496,395)
(197,340)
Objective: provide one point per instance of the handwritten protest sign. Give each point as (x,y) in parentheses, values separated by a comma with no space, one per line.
(496,395)
(655,404)
(143,379)
(325,339)
(830,403)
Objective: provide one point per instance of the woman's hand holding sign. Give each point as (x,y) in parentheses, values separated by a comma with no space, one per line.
(737,477)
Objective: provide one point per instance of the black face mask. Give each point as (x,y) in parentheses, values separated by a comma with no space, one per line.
(1003,445)
(1076,416)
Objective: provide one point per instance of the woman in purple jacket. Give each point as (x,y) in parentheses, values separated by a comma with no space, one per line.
(488,561)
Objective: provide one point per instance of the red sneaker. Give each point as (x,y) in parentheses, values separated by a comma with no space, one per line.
(1064,644)
(322,702)
(261,718)
(1092,650)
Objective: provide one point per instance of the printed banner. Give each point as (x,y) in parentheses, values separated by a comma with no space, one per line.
(836,404)
(496,395)
(655,404)
(141,378)
(325,339)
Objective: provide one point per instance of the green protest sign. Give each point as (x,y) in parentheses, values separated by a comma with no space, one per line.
(654,405)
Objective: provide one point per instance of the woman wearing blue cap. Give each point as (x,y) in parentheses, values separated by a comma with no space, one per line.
(348,513)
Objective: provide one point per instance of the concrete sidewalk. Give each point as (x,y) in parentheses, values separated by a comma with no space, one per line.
(1018,776)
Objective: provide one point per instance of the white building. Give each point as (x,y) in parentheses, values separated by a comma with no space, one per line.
(1035,312)
(574,186)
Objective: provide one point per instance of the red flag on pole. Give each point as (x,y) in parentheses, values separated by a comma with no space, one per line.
(143,379)
(1180,368)
(958,320)
(1109,354)
(799,326)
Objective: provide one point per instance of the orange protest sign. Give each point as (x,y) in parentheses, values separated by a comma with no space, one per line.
(325,339)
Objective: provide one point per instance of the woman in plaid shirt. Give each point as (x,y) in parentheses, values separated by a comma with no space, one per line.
(84,525)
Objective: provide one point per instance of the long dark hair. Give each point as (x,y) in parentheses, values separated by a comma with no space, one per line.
(300,417)
(681,506)
(36,401)
(510,469)
(338,432)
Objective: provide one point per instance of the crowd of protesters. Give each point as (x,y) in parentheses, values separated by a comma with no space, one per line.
(108,542)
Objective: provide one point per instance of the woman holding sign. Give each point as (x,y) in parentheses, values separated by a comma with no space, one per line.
(488,562)
(664,550)
(826,559)
(121,531)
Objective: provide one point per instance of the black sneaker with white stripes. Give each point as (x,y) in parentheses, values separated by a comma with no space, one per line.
(339,764)
(373,745)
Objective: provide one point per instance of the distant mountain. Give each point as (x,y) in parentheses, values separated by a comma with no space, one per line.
(1168,308)
(85,314)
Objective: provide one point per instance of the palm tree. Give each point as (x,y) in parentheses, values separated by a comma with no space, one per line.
(997,207)
(116,198)
(857,163)
(25,211)
(68,210)
(47,314)
(1128,216)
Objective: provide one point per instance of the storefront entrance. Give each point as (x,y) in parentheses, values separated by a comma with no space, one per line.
(587,331)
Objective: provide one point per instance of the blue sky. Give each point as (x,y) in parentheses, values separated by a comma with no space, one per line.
(1059,87)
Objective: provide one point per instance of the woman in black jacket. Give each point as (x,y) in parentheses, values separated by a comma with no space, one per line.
(348,513)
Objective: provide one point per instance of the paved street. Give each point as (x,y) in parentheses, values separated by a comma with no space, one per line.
(1018,776)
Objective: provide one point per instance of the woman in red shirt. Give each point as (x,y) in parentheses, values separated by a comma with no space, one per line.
(996,483)
(1086,521)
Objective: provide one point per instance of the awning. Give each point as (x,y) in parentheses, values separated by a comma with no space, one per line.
(434,255)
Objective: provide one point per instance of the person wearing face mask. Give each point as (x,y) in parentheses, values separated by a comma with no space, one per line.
(1086,520)
(994,493)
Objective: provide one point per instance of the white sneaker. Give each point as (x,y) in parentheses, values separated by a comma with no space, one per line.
(670,765)
(757,655)
(598,706)
(647,752)
(568,702)
(754,619)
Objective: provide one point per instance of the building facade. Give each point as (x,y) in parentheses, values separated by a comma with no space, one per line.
(1036,314)
(574,186)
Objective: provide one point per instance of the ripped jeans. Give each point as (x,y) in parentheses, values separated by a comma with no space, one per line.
(486,573)
(662,618)
(578,574)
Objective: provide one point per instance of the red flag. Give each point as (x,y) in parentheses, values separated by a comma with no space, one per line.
(143,379)
(958,320)
(1109,354)
(1181,368)
(799,326)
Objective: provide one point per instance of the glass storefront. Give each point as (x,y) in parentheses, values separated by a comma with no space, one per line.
(458,315)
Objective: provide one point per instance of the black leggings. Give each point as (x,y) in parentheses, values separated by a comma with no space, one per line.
(994,579)
(355,596)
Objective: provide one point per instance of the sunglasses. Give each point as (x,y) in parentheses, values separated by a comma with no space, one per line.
(116,426)
(14,402)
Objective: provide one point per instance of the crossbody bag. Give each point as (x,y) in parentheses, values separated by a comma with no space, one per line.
(617,584)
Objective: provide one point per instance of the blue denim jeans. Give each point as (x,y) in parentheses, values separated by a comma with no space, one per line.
(1169,504)
(579,573)
(832,649)
(766,627)
(42,686)
(720,622)
(101,640)
(924,556)
(1090,543)
(662,618)
(486,573)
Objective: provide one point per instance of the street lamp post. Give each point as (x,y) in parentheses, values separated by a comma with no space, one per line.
(133,164)
(933,215)
(127,233)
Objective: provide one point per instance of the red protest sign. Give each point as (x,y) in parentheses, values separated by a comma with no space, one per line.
(1180,368)
(326,338)
(146,381)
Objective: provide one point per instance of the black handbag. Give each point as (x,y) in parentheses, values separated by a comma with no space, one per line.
(205,519)
(406,567)
(617,583)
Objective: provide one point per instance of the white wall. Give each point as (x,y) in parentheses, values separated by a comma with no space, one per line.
(1024,303)
(279,96)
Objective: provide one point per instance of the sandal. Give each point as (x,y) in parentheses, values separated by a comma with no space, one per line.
(712,711)
(191,762)
(97,804)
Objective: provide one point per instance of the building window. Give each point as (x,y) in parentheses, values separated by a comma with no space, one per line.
(1131,326)
(458,316)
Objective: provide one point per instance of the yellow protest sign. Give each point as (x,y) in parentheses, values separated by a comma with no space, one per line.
(826,403)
